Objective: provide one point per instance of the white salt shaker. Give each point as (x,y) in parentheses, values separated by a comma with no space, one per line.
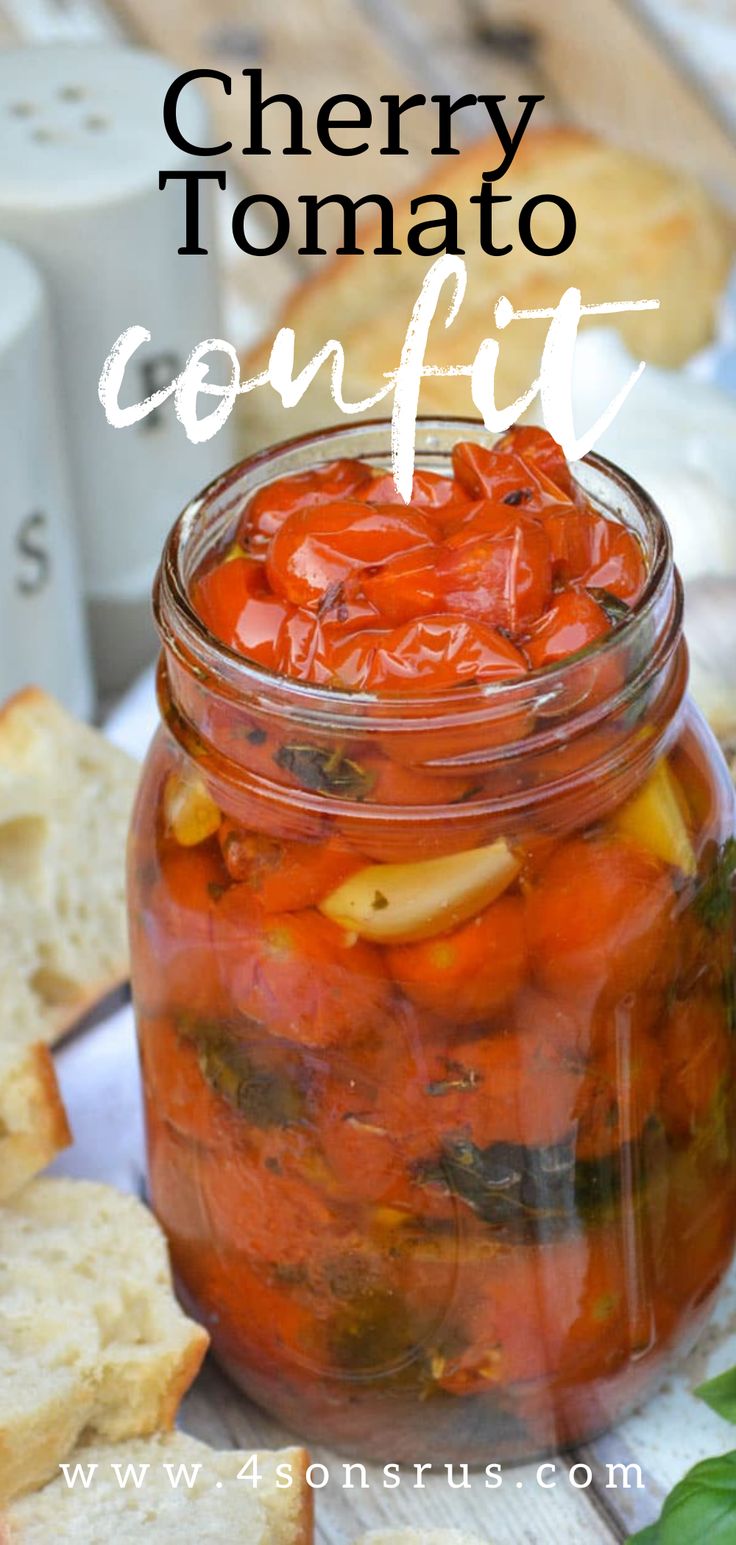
(42,632)
(83,142)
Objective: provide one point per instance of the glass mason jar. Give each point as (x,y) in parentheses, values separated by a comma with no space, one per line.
(466,1195)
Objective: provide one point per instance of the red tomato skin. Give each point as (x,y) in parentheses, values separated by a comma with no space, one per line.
(220,594)
(430,654)
(599,919)
(572,621)
(318,548)
(469,974)
(597,552)
(270,506)
(497,566)
(297,974)
(537,447)
(505,476)
(404,588)
(431,492)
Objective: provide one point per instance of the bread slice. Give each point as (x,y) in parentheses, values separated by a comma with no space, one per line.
(65,801)
(216,1508)
(643,231)
(405,1537)
(33,1123)
(92,1341)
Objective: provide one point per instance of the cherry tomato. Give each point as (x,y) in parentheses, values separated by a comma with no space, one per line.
(697,1061)
(497,566)
(430,491)
(574,1320)
(430,654)
(618,1097)
(284,876)
(404,588)
(220,595)
(600,553)
(262,1215)
(173,1082)
(537,447)
(316,549)
(508,1088)
(469,974)
(599,918)
(298,974)
(507,478)
(572,621)
(268,508)
(177,963)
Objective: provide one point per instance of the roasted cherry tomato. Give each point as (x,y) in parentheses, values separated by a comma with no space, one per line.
(431,654)
(572,621)
(698,1062)
(176,962)
(468,975)
(497,566)
(507,478)
(284,876)
(268,508)
(316,549)
(404,588)
(430,492)
(599,918)
(220,594)
(507,1088)
(600,553)
(297,974)
(537,447)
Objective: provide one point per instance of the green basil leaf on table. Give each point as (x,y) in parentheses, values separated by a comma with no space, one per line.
(700,1508)
(720,1395)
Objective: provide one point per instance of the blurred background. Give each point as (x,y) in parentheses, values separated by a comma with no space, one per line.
(638,128)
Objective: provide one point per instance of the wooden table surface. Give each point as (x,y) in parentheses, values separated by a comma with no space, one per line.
(378,46)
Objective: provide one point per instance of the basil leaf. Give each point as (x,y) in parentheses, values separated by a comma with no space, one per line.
(720,1394)
(325,772)
(714,904)
(702,1506)
(648,1536)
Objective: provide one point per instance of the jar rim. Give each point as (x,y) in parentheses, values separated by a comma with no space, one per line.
(186,635)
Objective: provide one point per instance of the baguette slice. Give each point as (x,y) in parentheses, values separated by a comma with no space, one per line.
(33,1123)
(217,1508)
(65,801)
(92,1341)
(407,1537)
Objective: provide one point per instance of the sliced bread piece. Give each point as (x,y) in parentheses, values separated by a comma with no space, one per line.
(93,1344)
(215,1508)
(33,1123)
(66,795)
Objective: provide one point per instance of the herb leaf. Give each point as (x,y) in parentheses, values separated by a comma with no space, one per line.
(702,1506)
(325,771)
(264,1084)
(616,610)
(715,902)
(720,1394)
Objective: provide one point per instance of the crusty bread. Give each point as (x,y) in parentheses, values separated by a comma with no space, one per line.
(643,231)
(65,801)
(406,1537)
(33,1124)
(217,1508)
(92,1341)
